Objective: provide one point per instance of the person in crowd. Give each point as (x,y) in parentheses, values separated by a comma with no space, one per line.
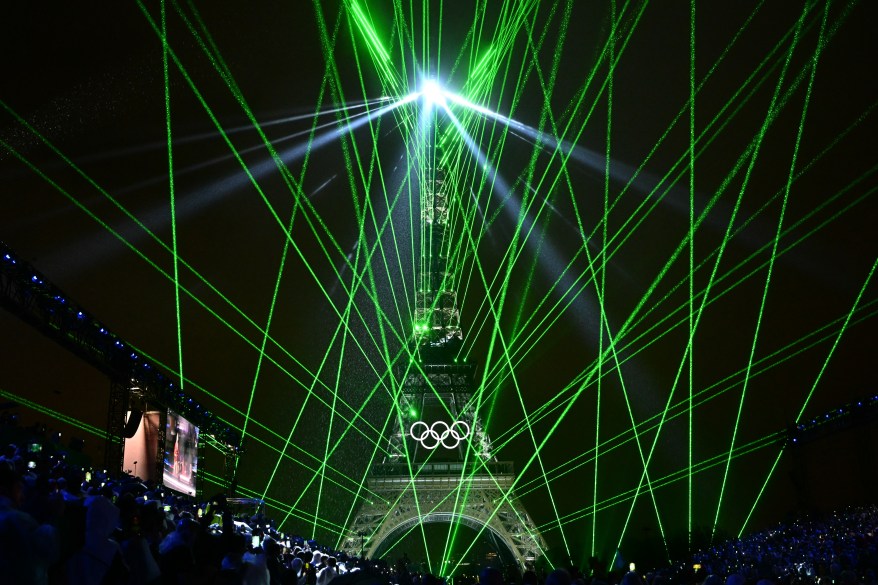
(100,559)
(256,571)
(273,559)
(296,573)
(176,555)
(27,548)
(140,522)
(328,572)
(233,568)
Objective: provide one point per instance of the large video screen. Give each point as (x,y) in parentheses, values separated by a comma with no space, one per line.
(181,454)
(142,450)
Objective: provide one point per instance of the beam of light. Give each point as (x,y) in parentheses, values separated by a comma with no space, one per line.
(590,262)
(348,162)
(248,172)
(368,30)
(773,356)
(281,506)
(746,153)
(702,397)
(830,219)
(756,254)
(602,289)
(349,169)
(691,352)
(817,379)
(258,170)
(173,218)
(328,441)
(335,394)
(550,490)
(190,382)
(682,245)
(74,422)
(740,228)
(294,153)
(250,176)
(520,214)
(216,59)
(360,213)
(230,130)
(778,232)
(683,110)
(679,475)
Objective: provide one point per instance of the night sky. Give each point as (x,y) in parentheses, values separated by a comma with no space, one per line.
(88,80)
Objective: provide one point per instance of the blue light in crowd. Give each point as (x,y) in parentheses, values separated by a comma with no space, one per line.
(118,343)
(134,356)
(80,315)
(102,330)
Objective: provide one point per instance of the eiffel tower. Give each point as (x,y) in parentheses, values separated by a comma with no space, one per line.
(440,466)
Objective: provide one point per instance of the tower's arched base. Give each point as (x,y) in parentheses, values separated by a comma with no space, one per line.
(434,496)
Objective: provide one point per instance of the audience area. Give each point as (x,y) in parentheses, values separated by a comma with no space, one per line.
(61,522)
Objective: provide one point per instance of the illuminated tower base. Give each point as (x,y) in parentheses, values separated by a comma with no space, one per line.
(448,487)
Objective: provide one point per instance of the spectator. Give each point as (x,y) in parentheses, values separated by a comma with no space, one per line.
(328,572)
(176,557)
(27,549)
(100,559)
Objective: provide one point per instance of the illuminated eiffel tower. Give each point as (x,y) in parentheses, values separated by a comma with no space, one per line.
(440,466)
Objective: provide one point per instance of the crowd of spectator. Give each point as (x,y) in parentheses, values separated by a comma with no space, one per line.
(60,523)
(838,549)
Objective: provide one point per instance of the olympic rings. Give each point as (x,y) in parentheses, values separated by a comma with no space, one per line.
(429,434)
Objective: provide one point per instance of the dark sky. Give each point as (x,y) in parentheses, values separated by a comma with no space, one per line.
(89,80)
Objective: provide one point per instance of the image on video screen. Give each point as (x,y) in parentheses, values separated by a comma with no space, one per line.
(181,454)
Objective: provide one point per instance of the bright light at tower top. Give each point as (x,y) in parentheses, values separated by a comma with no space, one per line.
(433,92)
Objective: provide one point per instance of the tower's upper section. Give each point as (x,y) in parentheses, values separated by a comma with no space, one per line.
(437,316)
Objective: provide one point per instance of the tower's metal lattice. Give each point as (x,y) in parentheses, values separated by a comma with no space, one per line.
(459,481)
